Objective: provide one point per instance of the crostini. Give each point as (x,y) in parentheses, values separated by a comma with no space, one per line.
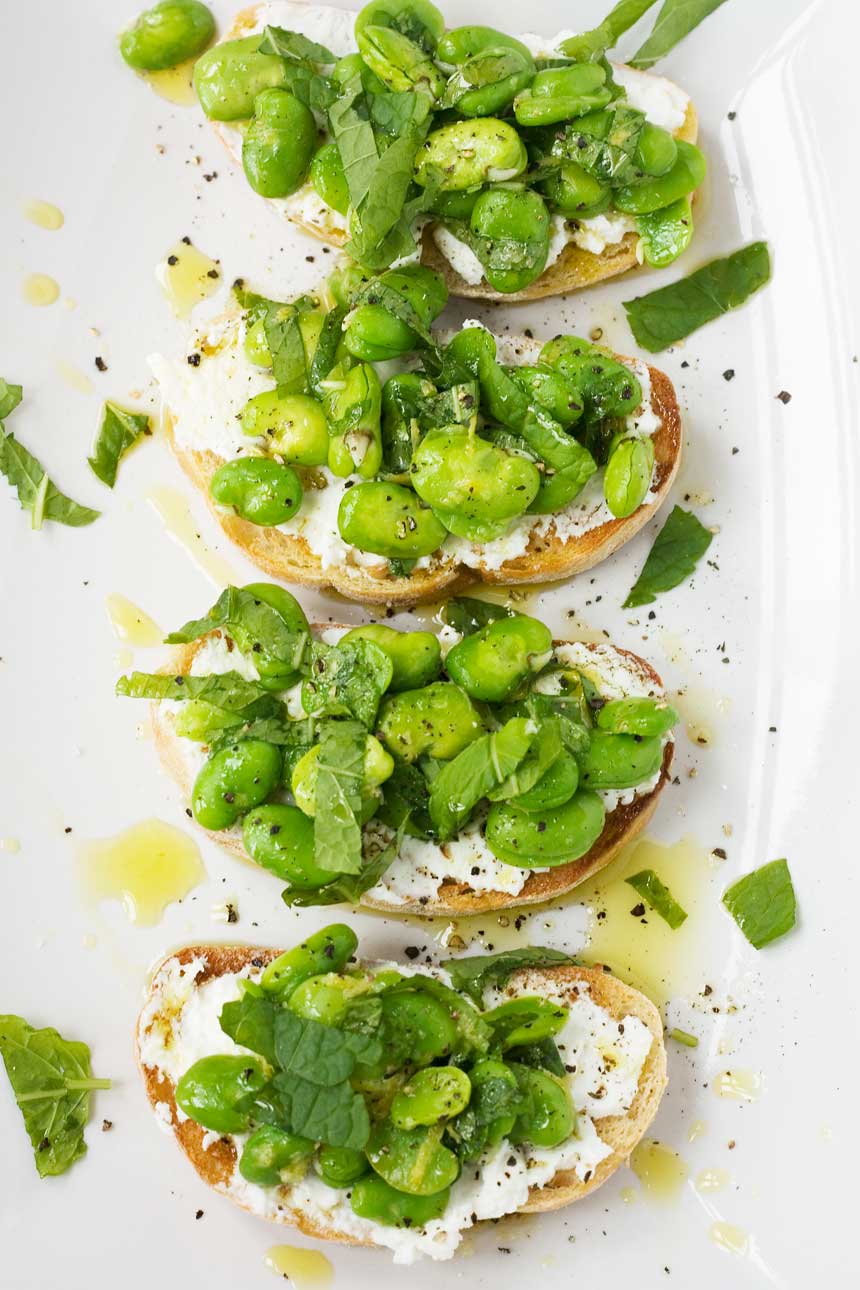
(520,1097)
(540,176)
(457,459)
(502,774)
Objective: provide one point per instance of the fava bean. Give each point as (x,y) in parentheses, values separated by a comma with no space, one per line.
(389,520)
(560,93)
(294,426)
(272,1156)
(415,656)
(341,1166)
(545,838)
(573,191)
(627,476)
(491,664)
(375,1199)
(550,390)
(666,233)
(685,176)
(328,950)
(397,38)
(216,1092)
(378,765)
(230,75)
(608,388)
(233,781)
(418,1029)
(279,144)
(433,1094)
(438,719)
(487,82)
(325,998)
(620,761)
(167,34)
(467,154)
(355,416)
(280,838)
(463,43)
(656,151)
(555,787)
(328,178)
(514,223)
(256,345)
(637,716)
(259,490)
(524,1021)
(550,1118)
(472,484)
(412,1160)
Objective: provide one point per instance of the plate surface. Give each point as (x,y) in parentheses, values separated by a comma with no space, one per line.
(762,642)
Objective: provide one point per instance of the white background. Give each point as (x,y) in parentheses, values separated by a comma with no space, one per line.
(81,131)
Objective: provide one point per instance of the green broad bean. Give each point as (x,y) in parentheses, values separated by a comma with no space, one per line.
(230,75)
(328,950)
(378,765)
(235,780)
(656,152)
(550,390)
(272,1156)
(278,144)
(608,388)
(328,178)
(389,520)
(515,225)
(561,93)
(294,426)
(488,80)
(216,1091)
(685,176)
(666,233)
(259,490)
(467,154)
(354,65)
(620,761)
(555,787)
(415,656)
(575,192)
(491,664)
(166,35)
(271,667)
(465,477)
(462,44)
(375,336)
(375,1199)
(524,1021)
(548,838)
(433,1094)
(280,838)
(637,716)
(550,1118)
(627,476)
(256,345)
(355,416)
(418,1029)
(325,998)
(456,205)
(412,1160)
(438,720)
(341,1166)
(346,281)
(397,38)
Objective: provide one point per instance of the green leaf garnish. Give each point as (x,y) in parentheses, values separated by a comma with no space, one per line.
(36,493)
(226,690)
(671,313)
(293,45)
(589,46)
(763,903)
(118,431)
(658,896)
(677,549)
(466,614)
(347,679)
(10,397)
(675,20)
(347,889)
(337,802)
(474,974)
(683,1037)
(51,1078)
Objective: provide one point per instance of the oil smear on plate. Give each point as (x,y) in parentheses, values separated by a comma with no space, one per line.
(306,1269)
(130,624)
(147,867)
(186,277)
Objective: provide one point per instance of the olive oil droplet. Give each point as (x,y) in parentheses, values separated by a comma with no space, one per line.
(147,867)
(730,1238)
(44,214)
(712,1179)
(74,377)
(697,1130)
(738,1086)
(130,624)
(10,845)
(660,1170)
(187,276)
(174,84)
(305,1268)
(173,509)
(38,289)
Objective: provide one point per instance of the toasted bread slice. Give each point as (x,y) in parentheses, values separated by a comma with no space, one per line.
(216,1161)
(549,557)
(575,268)
(622,825)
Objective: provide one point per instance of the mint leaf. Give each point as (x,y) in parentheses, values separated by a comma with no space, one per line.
(334,1115)
(347,679)
(10,397)
(51,1078)
(227,690)
(474,974)
(763,903)
(118,431)
(347,889)
(671,313)
(466,614)
(658,896)
(589,46)
(675,20)
(480,767)
(256,627)
(340,776)
(321,1054)
(281,43)
(36,493)
(677,549)
(250,1022)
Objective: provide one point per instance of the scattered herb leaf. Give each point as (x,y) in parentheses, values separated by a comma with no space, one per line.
(119,429)
(675,20)
(763,903)
(472,975)
(677,549)
(658,896)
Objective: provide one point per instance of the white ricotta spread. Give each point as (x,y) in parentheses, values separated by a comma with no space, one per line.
(179,1025)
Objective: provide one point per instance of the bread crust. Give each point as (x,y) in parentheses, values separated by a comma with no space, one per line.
(622,825)
(216,1163)
(574,270)
(549,558)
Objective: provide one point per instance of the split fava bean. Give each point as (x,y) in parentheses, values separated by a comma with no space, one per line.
(341,1166)
(545,838)
(555,787)
(325,998)
(573,191)
(280,838)
(272,1156)
(233,781)
(637,716)
(388,519)
(491,664)
(377,1200)
(214,1089)
(686,174)
(230,75)
(433,1094)
(620,761)
(415,656)
(400,62)
(279,144)
(328,950)
(328,178)
(471,482)
(627,476)
(259,490)
(294,426)
(439,720)
(412,1160)
(166,35)
(467,154)
(560,93)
